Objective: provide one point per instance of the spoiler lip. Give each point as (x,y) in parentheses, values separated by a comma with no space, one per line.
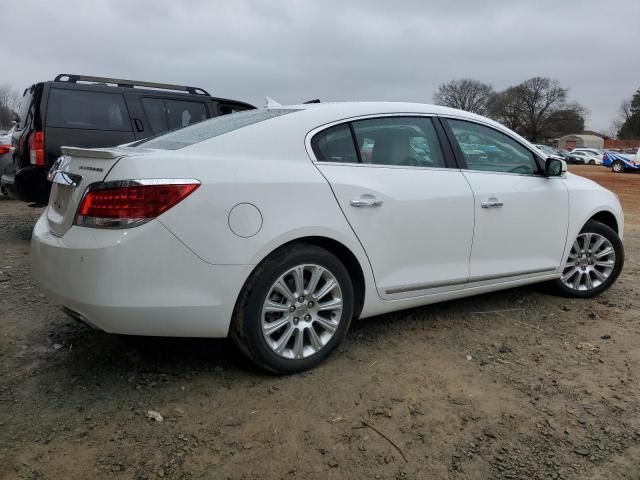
(103,153)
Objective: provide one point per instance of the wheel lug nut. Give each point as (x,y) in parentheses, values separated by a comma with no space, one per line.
(310,304)
(292,308)
(307,317)
(300,299)
(295,320)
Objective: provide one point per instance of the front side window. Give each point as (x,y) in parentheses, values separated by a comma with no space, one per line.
(87,110)
(489,150)
(154,110)
(399,141)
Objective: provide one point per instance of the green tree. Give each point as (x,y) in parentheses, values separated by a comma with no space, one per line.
(630,128)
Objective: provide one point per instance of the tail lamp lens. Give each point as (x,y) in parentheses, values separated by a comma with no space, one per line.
(5,149)
(129,205)
(36,149)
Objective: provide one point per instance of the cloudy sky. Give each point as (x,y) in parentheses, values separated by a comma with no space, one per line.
(334,50)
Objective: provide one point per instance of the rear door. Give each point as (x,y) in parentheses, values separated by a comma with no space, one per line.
(85,118)
(521,216)
(412,213)
(154,114)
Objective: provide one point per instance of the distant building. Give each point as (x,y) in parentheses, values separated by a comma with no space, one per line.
(569,142)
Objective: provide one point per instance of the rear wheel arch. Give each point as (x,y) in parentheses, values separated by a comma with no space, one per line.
(341,251)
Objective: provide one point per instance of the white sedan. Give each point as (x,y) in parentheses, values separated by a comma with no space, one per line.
(279,226)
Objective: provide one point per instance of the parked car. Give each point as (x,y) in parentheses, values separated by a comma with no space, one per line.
(549,151)
(596,153)
(273,227)
(89,111)
(584,158)
(619,162)
(6,159)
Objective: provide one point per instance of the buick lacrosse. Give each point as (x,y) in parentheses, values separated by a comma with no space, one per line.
(278,226)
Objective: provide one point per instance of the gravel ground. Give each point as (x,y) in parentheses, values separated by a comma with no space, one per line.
(511,385)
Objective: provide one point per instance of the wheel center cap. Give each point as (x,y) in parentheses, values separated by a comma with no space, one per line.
(301,310)
(584,261)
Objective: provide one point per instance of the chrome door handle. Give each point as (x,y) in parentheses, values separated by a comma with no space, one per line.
(366,202)
(492,203)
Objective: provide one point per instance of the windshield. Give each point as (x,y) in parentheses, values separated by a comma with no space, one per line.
(208,129)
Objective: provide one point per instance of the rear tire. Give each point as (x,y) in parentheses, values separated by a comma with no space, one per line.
(594,264)
(288,326)
(617,167)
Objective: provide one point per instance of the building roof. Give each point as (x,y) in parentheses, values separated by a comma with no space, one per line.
(597,134)
(589,138)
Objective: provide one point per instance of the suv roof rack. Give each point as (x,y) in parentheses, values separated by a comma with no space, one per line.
(71,78)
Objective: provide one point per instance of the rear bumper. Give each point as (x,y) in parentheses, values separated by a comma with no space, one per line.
(140,281)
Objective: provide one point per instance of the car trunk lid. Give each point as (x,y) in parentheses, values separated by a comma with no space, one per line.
(71,174)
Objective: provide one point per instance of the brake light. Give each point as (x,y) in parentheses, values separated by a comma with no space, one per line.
(36,149)
(5,149)
(131,203)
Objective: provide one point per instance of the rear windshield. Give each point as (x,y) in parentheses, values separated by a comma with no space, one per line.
(87,110)
(208,129)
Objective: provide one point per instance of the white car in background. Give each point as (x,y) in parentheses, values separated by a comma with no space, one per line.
(279,226)
(592,156)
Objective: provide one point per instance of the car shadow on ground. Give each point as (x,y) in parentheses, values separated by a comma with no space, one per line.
(92,352)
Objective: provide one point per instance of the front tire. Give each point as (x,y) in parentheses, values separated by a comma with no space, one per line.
(294,310)
(592,162)
(594,262)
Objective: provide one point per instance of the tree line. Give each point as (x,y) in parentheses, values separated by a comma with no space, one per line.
(538,108)
(9,99)
(627,125)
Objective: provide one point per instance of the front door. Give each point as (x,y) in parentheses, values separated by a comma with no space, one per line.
(412,214)
(521,216)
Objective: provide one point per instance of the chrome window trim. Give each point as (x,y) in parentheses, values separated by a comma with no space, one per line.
(370,116)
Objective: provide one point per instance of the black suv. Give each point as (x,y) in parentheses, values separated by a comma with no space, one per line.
(83,111)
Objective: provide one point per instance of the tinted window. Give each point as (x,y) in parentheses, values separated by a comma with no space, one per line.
(335,144)
(25,107)
(226,109)
(211,128)
(487,149)
(180,114)
(400,141)
(154,110)
(87,110)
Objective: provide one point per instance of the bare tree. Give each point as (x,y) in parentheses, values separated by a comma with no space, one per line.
(9,100)
(538,109)
(465,94)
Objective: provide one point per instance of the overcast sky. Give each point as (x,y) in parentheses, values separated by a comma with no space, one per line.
(334,50)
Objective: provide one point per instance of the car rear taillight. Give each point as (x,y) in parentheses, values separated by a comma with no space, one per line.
(36,149)
(5,149)
(130,203)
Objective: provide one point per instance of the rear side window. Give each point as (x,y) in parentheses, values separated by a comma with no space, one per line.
(154,110)
(87,110)
(226,109)
(181,114)
(211,128)
(25,107)
(335,144)
(399,141)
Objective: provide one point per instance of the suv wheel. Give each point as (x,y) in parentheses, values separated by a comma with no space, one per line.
(294,310)
(594,263)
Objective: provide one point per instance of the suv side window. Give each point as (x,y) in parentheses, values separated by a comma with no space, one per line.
(335,144)
(87,110)
(181,113)
(489,150)
(154,110)
(399,141)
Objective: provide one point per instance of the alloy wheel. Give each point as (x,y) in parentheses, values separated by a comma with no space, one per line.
(302,311)
(590,262)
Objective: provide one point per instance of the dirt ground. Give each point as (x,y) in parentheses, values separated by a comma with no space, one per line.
(514,385)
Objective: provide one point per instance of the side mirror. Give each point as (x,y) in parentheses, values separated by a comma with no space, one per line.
(554,167)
